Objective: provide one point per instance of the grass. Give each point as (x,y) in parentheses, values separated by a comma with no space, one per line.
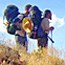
(19,56)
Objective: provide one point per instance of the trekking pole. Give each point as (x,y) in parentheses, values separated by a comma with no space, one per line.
(51,42)
(51,39)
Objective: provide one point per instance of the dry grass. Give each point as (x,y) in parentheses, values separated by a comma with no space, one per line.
(19,56)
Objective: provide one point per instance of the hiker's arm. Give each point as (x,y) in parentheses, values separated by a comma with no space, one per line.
(49,29)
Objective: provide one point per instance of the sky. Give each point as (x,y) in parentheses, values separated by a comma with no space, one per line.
(58,16)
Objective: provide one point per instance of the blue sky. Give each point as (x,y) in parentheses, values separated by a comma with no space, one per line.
(58,10)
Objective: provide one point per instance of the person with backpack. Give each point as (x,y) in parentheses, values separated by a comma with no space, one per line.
(21,38)
(14,18)
(43,41)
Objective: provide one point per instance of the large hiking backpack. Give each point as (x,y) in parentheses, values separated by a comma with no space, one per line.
(11,12)
(12,16)
(35,15)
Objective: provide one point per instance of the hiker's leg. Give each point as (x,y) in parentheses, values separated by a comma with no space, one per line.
(45,42)
(46,45)
(21,40)
(40,42)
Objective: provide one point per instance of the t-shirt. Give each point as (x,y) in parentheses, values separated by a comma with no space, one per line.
(45,24)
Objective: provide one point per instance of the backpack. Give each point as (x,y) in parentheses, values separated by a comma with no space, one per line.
(12,16)
(11,12)
(35,15)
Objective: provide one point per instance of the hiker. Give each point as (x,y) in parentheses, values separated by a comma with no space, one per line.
(22,38)
(43,41)
(14,18)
